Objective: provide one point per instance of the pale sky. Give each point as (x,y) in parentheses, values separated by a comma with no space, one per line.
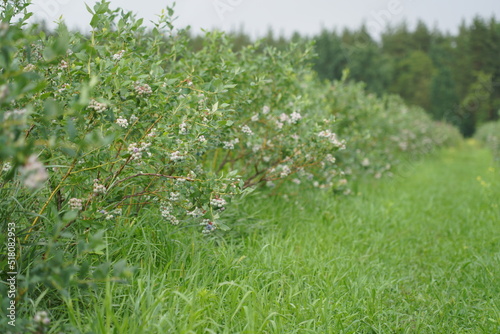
(285,17)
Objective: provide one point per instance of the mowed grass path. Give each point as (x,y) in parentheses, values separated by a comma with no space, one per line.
(416,254)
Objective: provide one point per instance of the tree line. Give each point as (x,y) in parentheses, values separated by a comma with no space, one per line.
(455,77)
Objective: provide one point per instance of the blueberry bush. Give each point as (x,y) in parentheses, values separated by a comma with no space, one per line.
(100,130)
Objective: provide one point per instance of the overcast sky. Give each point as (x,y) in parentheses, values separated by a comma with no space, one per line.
(284,16)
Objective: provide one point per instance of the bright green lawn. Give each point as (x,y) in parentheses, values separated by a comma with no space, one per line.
(416,254)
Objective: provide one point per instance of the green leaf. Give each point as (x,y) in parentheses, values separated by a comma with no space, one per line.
(70,215)
(89,9)
(223,226)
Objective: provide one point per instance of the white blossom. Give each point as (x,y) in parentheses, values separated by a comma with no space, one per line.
(6,167)
(119,55)
(144,89)
(97,106)
(76,204)
(229,145)
(174,196)
(63,64)
(15,114)
(98,188)
(246,129)
(285,171)
(33,172)
(152,133)
(218,202)
(295,117)
(330,158)
(183,128)
(135,151)
(210,226)
(176,156)
(41,318)
(284,118)
(332,137)
(166,212)
(122,122)
(197,212)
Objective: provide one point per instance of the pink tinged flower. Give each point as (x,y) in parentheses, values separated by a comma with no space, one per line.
(135,151)
(33,173)
(97,106)
(76,204)
(122,122)
(63,64)
(284,118)
(141,90)
(152,133)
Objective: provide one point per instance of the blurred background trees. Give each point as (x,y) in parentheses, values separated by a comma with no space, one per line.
(456,78)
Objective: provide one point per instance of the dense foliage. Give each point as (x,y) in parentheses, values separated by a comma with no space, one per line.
(130,127)
(454,77)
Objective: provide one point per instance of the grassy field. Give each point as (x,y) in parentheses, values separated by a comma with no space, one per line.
(416,254)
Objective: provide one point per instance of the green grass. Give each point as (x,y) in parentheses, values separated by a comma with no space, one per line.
(416,254)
